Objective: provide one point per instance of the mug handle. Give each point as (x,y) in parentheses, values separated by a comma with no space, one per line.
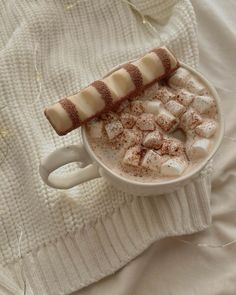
(63,156)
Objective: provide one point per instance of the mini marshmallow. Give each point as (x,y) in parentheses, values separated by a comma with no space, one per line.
(146,122)
(173,167)
(195,86)
(190,119)
(206,129)
(203,104)
(132,156)
(179,78)
(152,161)
(184,97)
(172,147)
(153,140)
(113,129)
(153,106)
(199,149)
(166,121)
(96,128)
(127,120)
(164,95)
(175,108)
(137,107)
(131,137)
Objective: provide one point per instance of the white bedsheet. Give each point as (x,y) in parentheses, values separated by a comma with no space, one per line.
(171,266)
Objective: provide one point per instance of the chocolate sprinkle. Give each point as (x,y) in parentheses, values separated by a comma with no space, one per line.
(71,110)
(164,57)
(105,92)
(135,75)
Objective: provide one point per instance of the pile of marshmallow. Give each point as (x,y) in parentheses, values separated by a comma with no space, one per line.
(143,126)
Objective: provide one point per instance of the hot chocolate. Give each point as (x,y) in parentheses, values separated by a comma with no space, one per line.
(161,134)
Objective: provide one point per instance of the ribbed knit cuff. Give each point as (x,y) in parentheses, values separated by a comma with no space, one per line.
(98,250)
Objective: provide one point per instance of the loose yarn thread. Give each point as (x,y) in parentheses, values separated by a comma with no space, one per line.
(38,74)
(4,152)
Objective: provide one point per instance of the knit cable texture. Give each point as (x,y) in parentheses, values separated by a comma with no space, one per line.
(73,238)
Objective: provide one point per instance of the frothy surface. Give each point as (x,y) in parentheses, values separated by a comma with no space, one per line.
(162,134)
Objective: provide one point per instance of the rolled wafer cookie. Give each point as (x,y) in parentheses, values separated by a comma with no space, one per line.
(106,94)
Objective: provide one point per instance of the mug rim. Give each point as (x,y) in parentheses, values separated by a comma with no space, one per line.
(192,173)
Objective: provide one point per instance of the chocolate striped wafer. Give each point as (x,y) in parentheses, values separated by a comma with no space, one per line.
(103,95)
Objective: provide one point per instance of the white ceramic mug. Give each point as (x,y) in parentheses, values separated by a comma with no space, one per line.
(92,167)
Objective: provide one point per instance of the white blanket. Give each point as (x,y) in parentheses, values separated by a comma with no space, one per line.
(171,266)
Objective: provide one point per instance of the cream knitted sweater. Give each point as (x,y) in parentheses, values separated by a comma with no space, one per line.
(69,239)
